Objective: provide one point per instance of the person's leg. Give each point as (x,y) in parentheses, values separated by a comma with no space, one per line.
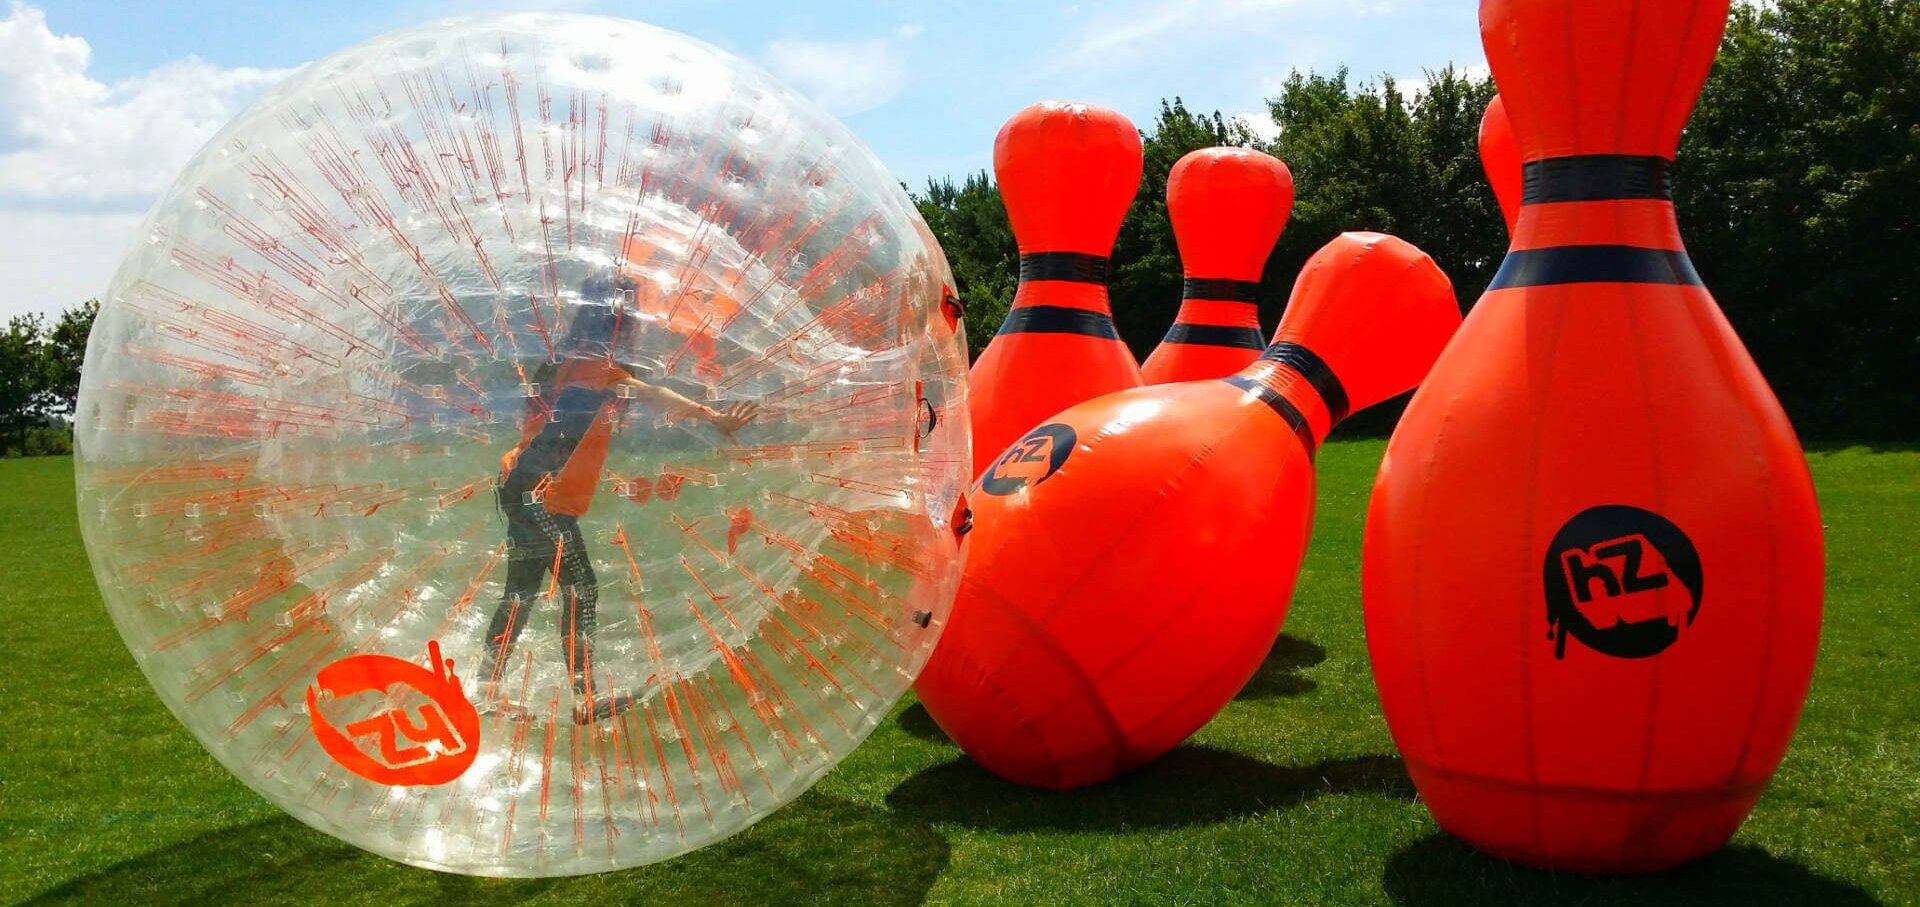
(582,591)
(529,555)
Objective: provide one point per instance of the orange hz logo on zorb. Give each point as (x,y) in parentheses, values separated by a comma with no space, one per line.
(1621,580)
(423,744)
(1031,460)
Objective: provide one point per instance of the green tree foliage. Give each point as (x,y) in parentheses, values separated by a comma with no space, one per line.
(972,225)
(23,380)
(66,347)
(1798,183)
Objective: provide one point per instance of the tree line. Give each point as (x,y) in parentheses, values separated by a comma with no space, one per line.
(1797,183)
(40,380)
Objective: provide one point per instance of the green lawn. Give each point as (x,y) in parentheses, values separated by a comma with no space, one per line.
(1293,795)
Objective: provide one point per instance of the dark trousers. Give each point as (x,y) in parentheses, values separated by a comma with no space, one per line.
(543,545)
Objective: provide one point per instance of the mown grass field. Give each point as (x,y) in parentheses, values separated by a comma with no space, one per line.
(1293,795)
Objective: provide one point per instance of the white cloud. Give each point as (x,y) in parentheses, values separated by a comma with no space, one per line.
(845,77)
(1413,83)
(55,261)
(1132,32)
(1260,123)
(65,135)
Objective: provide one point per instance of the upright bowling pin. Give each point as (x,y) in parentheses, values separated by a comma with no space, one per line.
(1228,206)
(1132,559)
(1593,560)
(1500,158)
(1067,173)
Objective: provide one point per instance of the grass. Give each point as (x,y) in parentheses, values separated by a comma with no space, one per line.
(1293,795)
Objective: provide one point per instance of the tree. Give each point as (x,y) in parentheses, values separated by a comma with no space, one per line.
(66,348)
(971,223)
(23,378)
(1798,184)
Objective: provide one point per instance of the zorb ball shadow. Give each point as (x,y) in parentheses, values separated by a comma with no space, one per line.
(528,445)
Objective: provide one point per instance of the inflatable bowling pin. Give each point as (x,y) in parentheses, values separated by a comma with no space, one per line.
(1067,172)
(1593,560)
(1500,158)
(1228,206)
(1132,558)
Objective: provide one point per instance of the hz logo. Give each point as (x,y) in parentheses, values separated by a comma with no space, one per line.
(1031,460)
(435,747)
(1621,580)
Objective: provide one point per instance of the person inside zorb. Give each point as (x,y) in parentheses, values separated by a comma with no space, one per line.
(548,480)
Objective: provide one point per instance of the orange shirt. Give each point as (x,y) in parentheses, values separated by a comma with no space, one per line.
(571,490)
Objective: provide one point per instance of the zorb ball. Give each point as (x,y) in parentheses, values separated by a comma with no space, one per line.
(528,445)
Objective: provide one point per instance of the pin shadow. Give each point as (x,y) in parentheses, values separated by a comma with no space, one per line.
(1193,785)
(1439,870)
(1279,676)
(816,850)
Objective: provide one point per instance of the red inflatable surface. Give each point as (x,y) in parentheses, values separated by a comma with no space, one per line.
(1133,557)
(1593,561)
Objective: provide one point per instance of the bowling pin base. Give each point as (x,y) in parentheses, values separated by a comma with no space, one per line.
(1583,830)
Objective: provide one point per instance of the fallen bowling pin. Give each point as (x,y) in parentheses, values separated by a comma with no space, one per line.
(1593,562)
(1132,558)
(1228,207)
(1068,172)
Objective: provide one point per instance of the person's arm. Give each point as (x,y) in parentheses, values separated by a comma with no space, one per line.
(728,420)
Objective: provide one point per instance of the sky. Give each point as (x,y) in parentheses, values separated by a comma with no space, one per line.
(102,101)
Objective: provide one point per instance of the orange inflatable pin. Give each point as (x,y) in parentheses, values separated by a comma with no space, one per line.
(1500,158)
(1132,557)
(1593,562)
(1067,172)
(1228,207)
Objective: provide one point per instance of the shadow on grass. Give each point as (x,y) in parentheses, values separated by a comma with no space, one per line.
(816,850)
(1441,870)
(1279,675)
(1193,785)
(916,722)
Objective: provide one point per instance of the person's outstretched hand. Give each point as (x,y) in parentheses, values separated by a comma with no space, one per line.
(733,416)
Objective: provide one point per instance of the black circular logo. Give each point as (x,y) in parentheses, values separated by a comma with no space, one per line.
(1031,460)
(1621,580)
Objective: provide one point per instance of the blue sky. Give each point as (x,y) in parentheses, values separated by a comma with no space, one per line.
(100,100)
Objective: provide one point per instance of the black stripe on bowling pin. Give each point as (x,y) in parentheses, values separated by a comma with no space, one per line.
(1222,289)
(1218,289)
(1076,267)
(1333,394)
(1596,178)
(1240,337)
(1073,267)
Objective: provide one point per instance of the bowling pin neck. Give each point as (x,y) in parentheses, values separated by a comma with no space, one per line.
(1605,218)
(1299,387)
(1218,312)
(1061,292)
